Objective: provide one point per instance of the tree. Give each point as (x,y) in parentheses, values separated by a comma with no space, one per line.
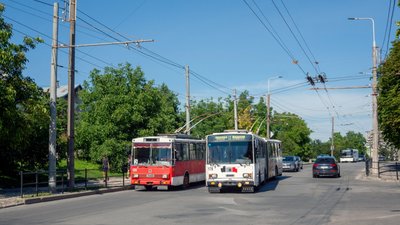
(389,96)
(293,132)
(118,105)
(245,109)
(209,117)
(24,115)
(317,147)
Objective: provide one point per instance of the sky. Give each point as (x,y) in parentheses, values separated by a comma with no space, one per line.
(227,47)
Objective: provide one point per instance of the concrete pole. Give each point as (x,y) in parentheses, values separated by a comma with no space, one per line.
(235,109)
(333,132)
(187,100)
(53,108)
(375,130)
(268,114)
(375,142)
(71,97)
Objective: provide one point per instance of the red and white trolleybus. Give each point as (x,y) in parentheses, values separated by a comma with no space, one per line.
(167,160)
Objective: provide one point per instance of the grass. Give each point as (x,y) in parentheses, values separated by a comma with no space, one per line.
(93,169)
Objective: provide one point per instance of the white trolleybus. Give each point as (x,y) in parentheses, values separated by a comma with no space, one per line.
(349,155)
(167,160)
(241,160)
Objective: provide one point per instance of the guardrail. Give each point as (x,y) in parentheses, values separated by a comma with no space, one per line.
(387,169)
(35,182)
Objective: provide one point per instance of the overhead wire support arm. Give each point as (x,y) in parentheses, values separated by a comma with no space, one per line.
(335,88)
(106,43)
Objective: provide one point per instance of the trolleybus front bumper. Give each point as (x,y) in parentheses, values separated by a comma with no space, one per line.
(230,184)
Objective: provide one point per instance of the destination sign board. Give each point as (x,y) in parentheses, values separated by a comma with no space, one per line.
(229,137)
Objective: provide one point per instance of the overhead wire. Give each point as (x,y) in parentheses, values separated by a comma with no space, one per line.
(301,35)
(158,57)
(285,49)
(388,28)
(45,35)
(295,37)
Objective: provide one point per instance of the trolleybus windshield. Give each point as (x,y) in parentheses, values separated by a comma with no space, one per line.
(152,155)
(230,152)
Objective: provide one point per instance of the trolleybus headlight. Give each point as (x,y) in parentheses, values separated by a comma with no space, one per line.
(239,185)
(135,175)
(213,176)
(247,175)
(165,176)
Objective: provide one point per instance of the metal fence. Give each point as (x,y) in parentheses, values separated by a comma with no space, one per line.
(36,182)
(386,169)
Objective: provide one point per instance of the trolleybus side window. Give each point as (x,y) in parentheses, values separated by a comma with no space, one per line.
(200,150)
(192,151)
(185,151)
(178,151)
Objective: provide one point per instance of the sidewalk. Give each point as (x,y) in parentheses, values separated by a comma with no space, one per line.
(11,197)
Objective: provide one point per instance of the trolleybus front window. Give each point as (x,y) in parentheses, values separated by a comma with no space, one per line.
(230,152)
(152,156)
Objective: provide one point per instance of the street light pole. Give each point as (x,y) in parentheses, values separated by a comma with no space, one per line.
(268,101)
(375,131)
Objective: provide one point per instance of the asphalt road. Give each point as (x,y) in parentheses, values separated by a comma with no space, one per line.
(294,198)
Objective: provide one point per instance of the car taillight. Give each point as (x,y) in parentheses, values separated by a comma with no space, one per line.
(333,165)
(315,165)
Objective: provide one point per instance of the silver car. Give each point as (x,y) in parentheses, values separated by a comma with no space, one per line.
(290,163)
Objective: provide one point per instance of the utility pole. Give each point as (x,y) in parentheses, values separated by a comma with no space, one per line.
(71,95)
(235,109)
(268,114)
(375,131)
(375,142)
(333,132)
(71,87)
(53,108)
(187,100)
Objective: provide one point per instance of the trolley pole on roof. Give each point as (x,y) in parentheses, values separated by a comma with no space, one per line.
(187,100)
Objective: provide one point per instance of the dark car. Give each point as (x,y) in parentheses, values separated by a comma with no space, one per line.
(326,166)
(290,163)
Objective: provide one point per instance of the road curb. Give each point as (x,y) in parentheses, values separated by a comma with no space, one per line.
(16,201)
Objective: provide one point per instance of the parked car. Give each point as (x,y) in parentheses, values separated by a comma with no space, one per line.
(361,158)
(290,163)
(326,166)
(300,162)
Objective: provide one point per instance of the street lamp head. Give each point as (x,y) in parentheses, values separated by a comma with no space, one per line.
(351,18)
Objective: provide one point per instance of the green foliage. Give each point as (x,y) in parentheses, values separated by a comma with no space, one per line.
(245,108)
(62,120)
(209,117)
(352,140)
(293,132)
(389,96)
(24,119)
(317,147)
(119,105)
